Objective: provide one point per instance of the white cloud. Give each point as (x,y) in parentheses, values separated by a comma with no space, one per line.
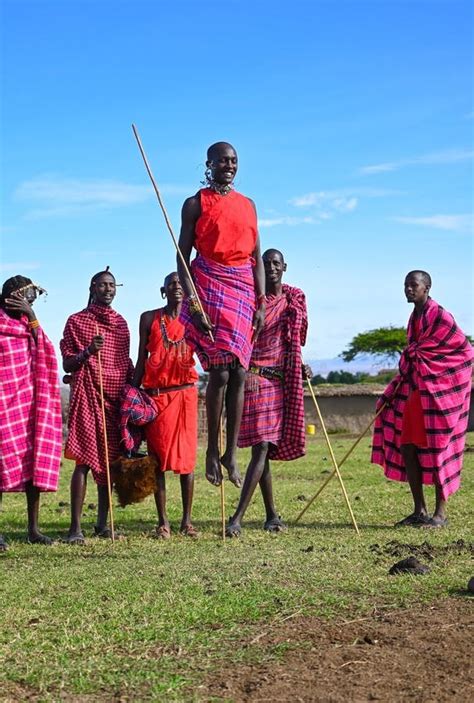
(288,221)
(449,156)
(453,223)
(55,196)
(19,266)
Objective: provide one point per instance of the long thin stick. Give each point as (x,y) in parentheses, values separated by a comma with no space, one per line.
(168,224)
(107,464)
(221,449)
(346,456)
(333,458)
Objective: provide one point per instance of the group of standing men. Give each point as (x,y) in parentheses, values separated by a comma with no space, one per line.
(230,307)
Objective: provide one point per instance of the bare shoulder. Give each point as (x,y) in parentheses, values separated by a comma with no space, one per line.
(147,317)
(192,206)
(252,203)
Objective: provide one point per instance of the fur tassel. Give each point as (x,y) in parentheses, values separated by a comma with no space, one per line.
(134,479)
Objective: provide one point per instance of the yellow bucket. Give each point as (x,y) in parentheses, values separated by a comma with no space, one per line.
(310,429)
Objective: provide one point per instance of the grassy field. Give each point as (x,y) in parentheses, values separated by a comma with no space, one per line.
(148,620)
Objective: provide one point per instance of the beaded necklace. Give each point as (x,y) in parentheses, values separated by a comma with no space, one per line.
(164,334)
(221,188)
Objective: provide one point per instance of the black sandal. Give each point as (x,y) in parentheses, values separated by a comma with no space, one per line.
(413,520)
(275,524)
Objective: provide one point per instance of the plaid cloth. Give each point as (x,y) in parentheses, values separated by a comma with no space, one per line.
(440,365)
(85,442)
(286,324)
(227,294)
(136,410)
(262,417)
(30,408)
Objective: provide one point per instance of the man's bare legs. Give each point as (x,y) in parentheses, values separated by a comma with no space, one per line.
(224,381)
(414,476)
(439,518)
(187,491)
(78,494)
(32,504)
(258,472)
(234,405)
(218,379)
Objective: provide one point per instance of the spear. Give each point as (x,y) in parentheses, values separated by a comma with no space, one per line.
(168,224)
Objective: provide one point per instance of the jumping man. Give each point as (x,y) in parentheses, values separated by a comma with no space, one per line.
(221,225)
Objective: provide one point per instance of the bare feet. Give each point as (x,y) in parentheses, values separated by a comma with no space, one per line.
(37,537)
(74,538)
(213,469)
(230,462)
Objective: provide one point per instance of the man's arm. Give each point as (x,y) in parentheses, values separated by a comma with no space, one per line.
(259,283)
(146,321)
(190,213)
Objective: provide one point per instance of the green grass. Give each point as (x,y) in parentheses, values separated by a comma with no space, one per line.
(145,620)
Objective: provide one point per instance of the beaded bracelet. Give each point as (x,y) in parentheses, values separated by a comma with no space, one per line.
(33,324)
(82,357)
(194,307)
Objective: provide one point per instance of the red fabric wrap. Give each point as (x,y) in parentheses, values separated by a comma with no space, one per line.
(227,294)
(440,365)
(172,436)
(274,412)
(226,231)
(85,442)
(30,408)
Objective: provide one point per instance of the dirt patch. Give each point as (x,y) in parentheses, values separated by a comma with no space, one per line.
(428,551)
(422,654)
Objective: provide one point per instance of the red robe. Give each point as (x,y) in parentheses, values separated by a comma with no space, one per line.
(172,436)
(226,236)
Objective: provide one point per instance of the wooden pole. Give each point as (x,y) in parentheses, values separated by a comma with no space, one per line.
(168,224)
(221,449)
(106,447)
(346,456)
(333,458)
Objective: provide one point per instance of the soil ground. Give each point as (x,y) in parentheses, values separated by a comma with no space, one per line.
(420,654)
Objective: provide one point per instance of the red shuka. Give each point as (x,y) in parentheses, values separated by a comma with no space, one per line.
(226,231)
(85,441)
(172,436)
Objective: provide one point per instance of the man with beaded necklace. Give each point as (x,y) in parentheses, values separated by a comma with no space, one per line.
(166,371)
(221,225)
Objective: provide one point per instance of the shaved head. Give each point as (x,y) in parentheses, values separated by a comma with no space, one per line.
(215,149)
(424,275)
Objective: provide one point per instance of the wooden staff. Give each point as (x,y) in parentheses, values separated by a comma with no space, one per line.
(170,229)
(221,449)
(106,447)
(346,456)
(333,458)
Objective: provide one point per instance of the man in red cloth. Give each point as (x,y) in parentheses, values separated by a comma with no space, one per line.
(30,404)
(420,435)
(166,370)
(273,416)
(97,328)
(221,225)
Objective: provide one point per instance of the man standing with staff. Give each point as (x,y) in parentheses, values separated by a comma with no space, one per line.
(273,417)
(221,225)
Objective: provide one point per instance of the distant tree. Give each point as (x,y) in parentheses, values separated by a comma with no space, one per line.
(388,342)
(317,380)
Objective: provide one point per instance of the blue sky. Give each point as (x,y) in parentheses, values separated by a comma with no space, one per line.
(353,122)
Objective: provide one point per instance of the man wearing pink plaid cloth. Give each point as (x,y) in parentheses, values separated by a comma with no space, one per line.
(30,404)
